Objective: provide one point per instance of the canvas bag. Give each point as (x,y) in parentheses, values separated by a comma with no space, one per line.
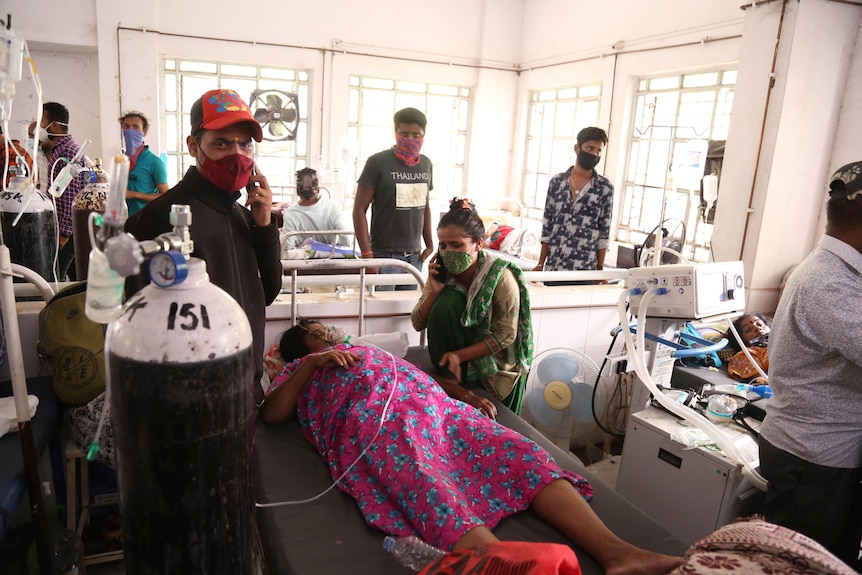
(74,345)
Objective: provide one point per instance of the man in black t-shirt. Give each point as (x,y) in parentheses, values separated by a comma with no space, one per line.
(396,184)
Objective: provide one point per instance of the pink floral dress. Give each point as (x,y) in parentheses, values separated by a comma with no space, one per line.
(438,467)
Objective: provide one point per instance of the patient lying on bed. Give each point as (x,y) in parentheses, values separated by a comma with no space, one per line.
(436,467)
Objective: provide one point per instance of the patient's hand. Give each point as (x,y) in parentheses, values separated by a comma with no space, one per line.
(335,358)
(483,404)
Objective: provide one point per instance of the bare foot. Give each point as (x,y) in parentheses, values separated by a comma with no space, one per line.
(635,561)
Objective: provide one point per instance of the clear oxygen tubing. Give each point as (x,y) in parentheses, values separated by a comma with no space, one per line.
(93,448)
(748,353)
(115,215)
(37,84)
(56,228)
(689,415)
(360,456)
(112,220)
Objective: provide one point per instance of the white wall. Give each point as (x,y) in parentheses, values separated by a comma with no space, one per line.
(558,30)
(785,170)
(70,77)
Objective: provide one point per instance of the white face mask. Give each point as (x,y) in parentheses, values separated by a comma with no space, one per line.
(44,134)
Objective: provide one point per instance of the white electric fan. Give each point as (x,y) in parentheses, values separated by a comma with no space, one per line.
(558,400)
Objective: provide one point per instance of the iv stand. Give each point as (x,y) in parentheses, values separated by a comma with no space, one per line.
(22,410)
(9,308)
(656,258)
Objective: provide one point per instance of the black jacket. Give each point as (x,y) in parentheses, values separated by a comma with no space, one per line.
(242,258)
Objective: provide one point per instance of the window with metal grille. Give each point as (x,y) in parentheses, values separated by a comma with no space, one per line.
(372,104)
(186,80)
(674,120)
(556,117)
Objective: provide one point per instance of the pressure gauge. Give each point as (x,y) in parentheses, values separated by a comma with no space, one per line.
(168,268)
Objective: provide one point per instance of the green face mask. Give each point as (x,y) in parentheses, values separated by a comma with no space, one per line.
(456,262)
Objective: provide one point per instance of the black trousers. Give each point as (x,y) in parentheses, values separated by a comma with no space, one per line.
(66,262)
(824,503)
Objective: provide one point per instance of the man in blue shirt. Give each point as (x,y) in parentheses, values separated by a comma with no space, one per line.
(148,175)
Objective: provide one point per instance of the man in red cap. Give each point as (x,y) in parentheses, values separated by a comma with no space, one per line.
(239,244)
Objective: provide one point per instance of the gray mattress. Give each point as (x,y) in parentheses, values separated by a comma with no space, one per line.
(330,536)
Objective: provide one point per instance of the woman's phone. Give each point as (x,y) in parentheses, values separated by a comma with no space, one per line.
(442,274)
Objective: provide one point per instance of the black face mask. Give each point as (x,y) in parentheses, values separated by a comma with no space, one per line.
(587,160)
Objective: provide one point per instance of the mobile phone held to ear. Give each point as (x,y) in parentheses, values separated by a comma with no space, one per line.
(442,274)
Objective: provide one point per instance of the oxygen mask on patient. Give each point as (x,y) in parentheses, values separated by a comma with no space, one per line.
(329,334)
(335,335)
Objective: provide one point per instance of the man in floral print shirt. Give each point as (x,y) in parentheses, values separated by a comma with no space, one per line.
(577,219)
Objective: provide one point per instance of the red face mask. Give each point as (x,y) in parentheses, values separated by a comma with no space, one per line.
(229,173)
(407,149)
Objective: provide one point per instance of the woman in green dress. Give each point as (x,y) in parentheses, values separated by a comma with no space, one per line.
(476,309)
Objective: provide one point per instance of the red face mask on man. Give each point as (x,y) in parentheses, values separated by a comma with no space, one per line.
(407,149)
(229,173)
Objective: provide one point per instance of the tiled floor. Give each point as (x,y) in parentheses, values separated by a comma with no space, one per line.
(607,470)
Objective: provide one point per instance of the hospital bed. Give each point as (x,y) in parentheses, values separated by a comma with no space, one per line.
(329,534)
(521,246)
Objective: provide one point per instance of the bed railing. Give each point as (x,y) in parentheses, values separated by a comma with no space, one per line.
(334,233)
(363,279)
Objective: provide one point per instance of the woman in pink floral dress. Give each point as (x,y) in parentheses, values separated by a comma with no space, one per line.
(436,467)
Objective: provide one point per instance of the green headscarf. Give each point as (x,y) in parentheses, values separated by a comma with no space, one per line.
(477,317)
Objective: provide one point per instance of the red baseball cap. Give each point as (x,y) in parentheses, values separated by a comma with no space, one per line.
(219,109)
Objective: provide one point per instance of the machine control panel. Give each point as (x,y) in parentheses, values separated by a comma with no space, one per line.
(693,290)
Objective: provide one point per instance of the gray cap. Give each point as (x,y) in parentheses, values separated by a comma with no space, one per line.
(846,182)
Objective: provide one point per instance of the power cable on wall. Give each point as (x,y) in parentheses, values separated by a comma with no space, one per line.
(757,157)
(516,68)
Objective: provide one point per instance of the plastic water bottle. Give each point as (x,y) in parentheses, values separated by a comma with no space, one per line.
(412,552)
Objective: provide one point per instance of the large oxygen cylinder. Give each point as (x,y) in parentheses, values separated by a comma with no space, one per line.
(180,371)
(33,239)
(92,198)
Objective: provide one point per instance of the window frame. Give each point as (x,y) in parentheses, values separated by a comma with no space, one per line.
(450,168)
(279,160)
(637,215)
(535,177)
